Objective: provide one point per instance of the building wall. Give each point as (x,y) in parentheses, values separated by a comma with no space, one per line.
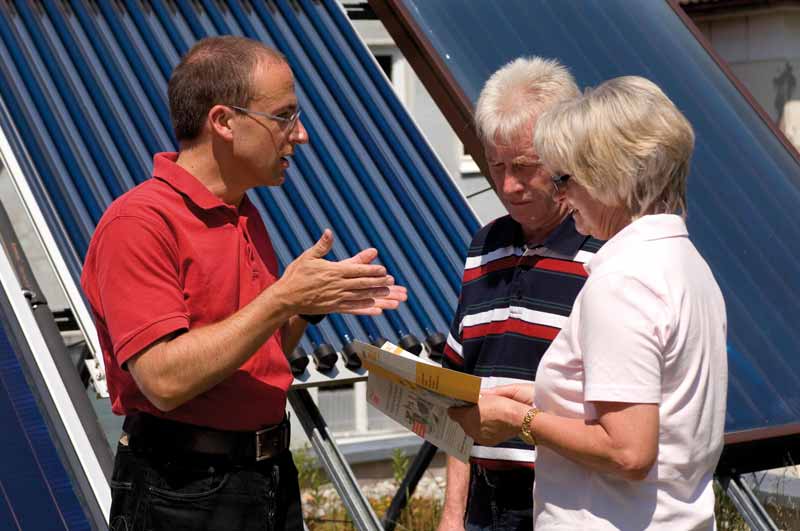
(762,48)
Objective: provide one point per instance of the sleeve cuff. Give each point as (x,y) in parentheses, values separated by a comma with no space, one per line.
(148,335)
(627,394)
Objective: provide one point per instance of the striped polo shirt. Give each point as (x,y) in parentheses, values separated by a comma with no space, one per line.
(514,300)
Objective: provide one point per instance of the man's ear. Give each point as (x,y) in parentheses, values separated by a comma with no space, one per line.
(219,122)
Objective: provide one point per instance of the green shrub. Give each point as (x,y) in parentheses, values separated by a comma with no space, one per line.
(324,511)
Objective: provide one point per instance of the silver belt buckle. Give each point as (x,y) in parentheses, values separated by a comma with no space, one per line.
(267,447)
(263,451)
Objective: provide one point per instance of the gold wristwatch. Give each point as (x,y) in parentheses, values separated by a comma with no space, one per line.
(525,431)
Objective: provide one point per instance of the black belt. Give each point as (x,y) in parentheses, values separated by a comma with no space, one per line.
(150,432)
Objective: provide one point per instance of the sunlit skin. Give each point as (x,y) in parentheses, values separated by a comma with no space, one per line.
(523,185)
(247,150)
(263,146)
(591,216)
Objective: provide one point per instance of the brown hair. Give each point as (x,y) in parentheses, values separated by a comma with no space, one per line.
(217,70)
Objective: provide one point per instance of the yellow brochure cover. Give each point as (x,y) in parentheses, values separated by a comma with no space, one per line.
(394,362)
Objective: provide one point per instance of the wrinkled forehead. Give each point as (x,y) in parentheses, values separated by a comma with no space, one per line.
(517,144)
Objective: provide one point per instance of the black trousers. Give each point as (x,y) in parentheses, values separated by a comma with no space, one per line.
(167,490)
(500,500)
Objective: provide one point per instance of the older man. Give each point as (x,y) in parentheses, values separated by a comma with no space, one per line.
(521,277)
(193,315)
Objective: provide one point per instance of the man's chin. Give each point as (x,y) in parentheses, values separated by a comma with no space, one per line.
(275,178)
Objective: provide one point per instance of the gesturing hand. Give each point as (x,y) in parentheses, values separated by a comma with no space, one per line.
(313,285)
(390,301)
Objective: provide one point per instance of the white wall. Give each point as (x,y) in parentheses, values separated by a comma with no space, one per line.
(759,46)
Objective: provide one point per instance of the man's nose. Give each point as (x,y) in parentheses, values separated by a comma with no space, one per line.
(299,135)
(511,184)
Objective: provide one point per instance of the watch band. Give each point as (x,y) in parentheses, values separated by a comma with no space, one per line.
(525,431)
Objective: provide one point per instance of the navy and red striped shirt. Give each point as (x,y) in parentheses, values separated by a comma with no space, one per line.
(514,300)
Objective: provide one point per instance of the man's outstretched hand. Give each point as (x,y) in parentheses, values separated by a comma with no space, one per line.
(313,285)
(391,301)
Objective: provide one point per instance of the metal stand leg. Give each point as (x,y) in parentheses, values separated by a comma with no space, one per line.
(746,503)
(409,484)
(333,461)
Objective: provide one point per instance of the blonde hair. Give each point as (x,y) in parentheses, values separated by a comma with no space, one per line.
(625,141)
(517,93)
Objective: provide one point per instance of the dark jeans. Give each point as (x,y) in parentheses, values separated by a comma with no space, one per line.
(167,490)
(500,500)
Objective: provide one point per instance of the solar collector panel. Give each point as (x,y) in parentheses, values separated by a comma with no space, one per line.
(114,59)
(744,184)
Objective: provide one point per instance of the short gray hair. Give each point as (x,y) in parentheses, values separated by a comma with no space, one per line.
(517,93)
(625,141)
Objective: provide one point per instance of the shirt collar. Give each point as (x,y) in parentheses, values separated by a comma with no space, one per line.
(186,184)
(645,228)
(564,240)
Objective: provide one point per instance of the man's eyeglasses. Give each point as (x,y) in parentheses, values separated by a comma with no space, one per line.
(559,182)
(288,119)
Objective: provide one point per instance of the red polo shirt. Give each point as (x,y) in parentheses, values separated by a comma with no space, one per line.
(169,256)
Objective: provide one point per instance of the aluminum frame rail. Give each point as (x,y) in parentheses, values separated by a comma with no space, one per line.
(55,343)
(16,160)
(56,398)
(746,502)
(333,461)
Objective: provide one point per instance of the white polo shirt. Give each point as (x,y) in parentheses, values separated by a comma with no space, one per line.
(649,326)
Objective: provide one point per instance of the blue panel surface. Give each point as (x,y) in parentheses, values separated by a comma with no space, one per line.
(744,186)
(85,85)
(35,490)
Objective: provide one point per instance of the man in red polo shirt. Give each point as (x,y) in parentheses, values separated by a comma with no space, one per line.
(192,314)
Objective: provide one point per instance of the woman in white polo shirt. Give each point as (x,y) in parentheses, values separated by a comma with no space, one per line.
(629,403)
